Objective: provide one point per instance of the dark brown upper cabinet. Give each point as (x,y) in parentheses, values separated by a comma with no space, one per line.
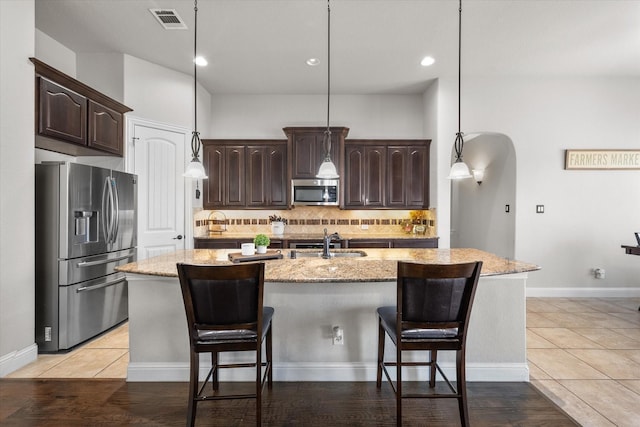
(306,149)
(75,119)
(267,175)
(245,174)
(61,113)
(391,174)
(364,180)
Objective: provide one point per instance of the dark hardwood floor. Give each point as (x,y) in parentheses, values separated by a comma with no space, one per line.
(26,402)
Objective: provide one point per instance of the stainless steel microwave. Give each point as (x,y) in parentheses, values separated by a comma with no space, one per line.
(315,192)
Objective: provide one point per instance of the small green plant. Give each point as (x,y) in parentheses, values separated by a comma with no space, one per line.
(261,240)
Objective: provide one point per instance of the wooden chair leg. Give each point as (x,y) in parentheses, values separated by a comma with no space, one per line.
(269,358)
(432,368)
(398,385)
(381,337)
(193,388)
(214,376)
(259,383)
(462,388)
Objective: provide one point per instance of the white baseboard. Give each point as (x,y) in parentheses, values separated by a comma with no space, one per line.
(583,292)
(15,360)
(291,372)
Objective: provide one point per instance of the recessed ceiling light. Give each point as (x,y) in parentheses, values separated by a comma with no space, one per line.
(313,62)
(427,60)
(201,61)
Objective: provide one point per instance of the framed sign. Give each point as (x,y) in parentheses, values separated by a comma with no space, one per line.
(602,159)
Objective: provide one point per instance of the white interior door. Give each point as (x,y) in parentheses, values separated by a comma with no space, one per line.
(159,164)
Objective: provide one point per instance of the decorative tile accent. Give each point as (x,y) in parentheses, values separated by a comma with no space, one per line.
(313,219)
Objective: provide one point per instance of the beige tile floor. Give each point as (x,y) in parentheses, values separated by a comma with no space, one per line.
(584,354)
(106,356)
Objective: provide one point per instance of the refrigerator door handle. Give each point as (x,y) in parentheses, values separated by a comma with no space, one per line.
(115,210)
(105,223)
(103,285)
(104,261)
(109,209)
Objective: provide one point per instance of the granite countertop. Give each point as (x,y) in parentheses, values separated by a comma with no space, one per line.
(317,236)
(380,265)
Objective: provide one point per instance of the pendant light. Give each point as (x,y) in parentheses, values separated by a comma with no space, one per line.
(195,169)
(459,169)
(328,168)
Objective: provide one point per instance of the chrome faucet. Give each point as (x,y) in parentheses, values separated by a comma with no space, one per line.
(326,243)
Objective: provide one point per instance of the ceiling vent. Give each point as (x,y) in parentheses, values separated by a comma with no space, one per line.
(169,19)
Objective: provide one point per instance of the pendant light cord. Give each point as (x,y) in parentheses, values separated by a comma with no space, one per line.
(459,143)
(195,139)
(327,132)
(328,59)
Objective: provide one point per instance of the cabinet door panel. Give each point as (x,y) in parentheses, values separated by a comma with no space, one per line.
(235,176)
(304,155)
(374,176)
(277,172)
(354,171)
(397,159)
(356,243)
(308,151)
(62,113)
(215,243)
(256,176)
(416,243)
(213,188)
(417,192)
(105,129)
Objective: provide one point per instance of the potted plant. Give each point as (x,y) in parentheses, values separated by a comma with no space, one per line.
(277,224)
(261,241)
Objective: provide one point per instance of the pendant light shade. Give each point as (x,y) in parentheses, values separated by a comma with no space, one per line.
(195,169)
(327,167)
(459,169)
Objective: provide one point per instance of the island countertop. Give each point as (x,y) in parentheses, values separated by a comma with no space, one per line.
(380,265)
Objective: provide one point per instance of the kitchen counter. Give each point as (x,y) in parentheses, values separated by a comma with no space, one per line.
(310,296)
(379,265)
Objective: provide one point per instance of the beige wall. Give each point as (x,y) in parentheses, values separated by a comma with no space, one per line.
(17,273)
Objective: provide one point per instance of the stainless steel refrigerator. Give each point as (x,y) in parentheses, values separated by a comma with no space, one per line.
(86,225)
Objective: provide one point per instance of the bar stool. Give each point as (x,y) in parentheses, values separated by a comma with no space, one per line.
(432,313)
(224,308)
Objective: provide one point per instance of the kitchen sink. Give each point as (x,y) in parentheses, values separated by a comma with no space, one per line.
(334,254)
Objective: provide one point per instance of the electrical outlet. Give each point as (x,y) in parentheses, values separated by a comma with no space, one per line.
(364,226)
(539,208)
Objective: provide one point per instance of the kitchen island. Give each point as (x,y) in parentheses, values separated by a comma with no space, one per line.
(310,296)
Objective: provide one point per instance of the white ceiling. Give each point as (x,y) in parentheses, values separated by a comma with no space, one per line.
(260,46)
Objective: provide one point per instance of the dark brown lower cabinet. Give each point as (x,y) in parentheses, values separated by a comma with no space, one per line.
(413,242)
(428,242)
(377,243)
(221,243)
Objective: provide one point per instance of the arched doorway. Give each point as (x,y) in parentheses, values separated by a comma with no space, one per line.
(483,215)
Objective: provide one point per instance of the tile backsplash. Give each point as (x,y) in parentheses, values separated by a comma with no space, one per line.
(312,219)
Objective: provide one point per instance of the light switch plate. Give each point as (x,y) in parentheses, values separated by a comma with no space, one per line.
(539,208)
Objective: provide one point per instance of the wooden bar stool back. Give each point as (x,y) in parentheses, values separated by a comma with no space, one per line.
(225,313)
(432,313)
